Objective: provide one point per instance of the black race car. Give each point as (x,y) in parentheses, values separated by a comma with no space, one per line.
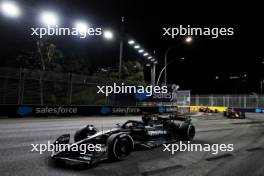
(118,143)
(232,113)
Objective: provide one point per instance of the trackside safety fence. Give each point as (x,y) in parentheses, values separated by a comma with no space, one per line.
(33,87)
(237,101)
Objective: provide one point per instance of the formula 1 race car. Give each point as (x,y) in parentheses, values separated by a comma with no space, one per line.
(118,143)
(207,110)
(232,113)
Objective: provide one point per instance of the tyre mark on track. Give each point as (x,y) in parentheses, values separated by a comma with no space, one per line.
(157,171)
(254,149)
(218,157)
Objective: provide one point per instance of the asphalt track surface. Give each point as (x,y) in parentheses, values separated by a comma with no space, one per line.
(17,135)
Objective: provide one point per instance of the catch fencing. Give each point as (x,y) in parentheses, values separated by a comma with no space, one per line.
(33,87)
(237,101)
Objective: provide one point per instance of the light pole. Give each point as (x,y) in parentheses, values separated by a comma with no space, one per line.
(187,40)
(49,18)
(153,69)
(153,73)
(108,35)
(121,47)
(81,26)
(10,9)
(261,86)
(147,55)
(164,68)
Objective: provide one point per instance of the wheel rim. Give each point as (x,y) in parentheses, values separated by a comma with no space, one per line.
(123,147)
(191,132)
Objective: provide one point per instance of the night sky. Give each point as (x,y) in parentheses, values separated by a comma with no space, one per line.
(237,55)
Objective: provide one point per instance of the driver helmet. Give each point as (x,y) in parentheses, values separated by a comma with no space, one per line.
(91,130)
(146,118)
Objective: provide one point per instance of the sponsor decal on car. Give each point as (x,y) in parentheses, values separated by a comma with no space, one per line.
(156,133)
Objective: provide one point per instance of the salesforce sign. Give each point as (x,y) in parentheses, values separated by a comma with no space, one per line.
(171,96)
(174,95)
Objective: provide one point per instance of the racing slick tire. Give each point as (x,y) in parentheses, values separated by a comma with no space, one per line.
(242,115)
(230,116)
(120,145)
(187,132)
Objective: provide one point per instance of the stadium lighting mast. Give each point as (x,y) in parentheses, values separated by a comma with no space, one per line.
(81,26)
(187,40)
(10,9)
(164,68)
(131,42)
(121,47)
(108,34)
(152,61)
(49,18)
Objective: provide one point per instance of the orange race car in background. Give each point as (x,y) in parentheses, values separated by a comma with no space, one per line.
(232,113)
(208,110)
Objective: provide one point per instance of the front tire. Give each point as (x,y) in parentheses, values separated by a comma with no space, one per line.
(120,146)
(187,132)
(242,115)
